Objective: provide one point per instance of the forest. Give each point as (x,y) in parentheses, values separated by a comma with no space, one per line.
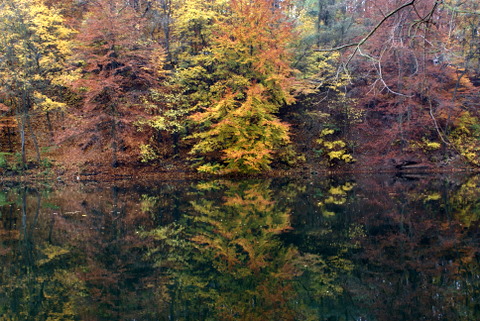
(239,86)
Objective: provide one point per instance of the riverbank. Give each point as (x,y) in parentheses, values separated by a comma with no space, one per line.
(177,171)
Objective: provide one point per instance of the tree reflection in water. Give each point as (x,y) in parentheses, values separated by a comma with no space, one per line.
(364,247)
(31,289)
(419,257)
(238,266)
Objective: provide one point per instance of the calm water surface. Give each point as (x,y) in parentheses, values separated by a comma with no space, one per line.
(337,248)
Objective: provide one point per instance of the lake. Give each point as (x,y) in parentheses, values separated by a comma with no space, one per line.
(352,247)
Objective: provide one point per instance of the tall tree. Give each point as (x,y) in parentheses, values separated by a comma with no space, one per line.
(250,79)
(117,70)
(34,46)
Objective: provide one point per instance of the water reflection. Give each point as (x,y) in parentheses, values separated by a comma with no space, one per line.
(420,251)
(356,248)
(237,266)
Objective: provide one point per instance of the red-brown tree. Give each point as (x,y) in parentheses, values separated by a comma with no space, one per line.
(117,70)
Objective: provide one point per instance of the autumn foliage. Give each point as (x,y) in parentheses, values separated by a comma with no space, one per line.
(411,87)
(252,79)
(117,70)
(240,86)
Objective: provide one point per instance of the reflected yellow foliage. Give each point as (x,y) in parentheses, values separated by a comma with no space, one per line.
(236,256)
(246,220)
(336,195)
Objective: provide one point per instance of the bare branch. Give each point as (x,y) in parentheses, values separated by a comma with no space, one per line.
(379,24)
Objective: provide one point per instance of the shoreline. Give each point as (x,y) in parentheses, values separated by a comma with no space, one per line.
(154,174)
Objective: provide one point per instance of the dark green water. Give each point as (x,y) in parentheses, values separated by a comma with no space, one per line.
(338,248)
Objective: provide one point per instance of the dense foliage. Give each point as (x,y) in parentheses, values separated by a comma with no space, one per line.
(240,86)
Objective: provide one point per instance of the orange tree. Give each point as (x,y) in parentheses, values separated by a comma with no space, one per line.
(250,79)
(117,67)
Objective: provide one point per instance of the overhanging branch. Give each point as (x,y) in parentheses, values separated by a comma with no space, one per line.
(364,39)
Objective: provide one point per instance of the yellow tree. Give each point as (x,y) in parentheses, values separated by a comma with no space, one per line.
(34,46)
(250,79)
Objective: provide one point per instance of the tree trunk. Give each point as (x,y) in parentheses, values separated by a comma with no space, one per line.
(114,138)
(34,138)
(50,127)
(22,139)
